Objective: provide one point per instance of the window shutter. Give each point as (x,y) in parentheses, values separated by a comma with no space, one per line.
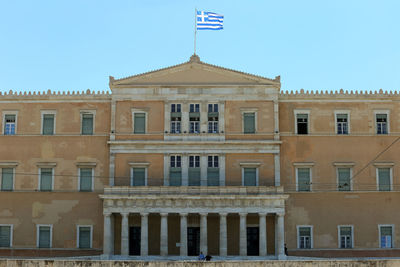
(84,237)
(46,179)
(194,176)
(5,234)
(303,179)
(213,176)
(140,123)
(44,237)
(48,124)
(7,179)
(304,231)
(249,123)
(344,179)
(175,176)
(384,179)
(250,176)
(139,176)
(86,179)
(87,124)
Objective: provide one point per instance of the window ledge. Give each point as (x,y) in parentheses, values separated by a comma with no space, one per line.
(383,163)
(344,163)
(139,164)
(83,164)
(8,164)
(46,164)
(303,163)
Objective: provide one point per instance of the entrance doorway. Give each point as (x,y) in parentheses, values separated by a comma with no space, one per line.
(134,240)
(253,241)
(193,241)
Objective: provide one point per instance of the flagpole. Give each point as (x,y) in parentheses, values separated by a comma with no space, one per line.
(195,29)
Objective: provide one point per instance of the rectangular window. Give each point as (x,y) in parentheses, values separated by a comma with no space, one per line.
(139,120)
(342,124)
(5,236)
(85,179)
(213,171)
(386,235)
(384,183)
(302,123)
(7,177)
(176,118)
(87,123)
(305,237)
(381,124)
(138,177)
(249,122)
(249,176)
(344,179)
(84,236)
(346,236)
(194,170)
(44,236)
(213,117)
(48,124)
(194,108)
(303,179)
(175,171)
(9,124)
(46,179)
(194,118)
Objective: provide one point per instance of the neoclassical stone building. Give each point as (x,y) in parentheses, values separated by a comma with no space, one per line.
(196,157)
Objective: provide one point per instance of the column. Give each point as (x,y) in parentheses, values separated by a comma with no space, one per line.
(243,234)
(144,234)
(203,170)
(167,117)
(113,107)
(125,234)
(111,173)
(281,236)
(222,170)
(183,247)
(277,167)
(223,247)
(276,120)
(166,169)
(203,233)
(221,117)
(164,234)
(185,117)
(107,235)
(263,234)
(203,117)
(185,169)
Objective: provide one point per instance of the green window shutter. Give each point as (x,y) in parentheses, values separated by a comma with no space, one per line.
(46,179)
(303,179)
(84,237)
(7,179)
(194,176)
(250,178)
(139,176)
(5,236)
(386,230)
(48,124)
(304,231)
(85,179)
(249,123)
(175,176)
(44,237)
(87,124)
(140,123)
(212,176)
(345,231)
(344,179)
(384,179)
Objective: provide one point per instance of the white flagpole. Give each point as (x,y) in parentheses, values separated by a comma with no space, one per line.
(195,29)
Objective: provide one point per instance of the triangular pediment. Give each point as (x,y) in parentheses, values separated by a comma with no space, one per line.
(193,73)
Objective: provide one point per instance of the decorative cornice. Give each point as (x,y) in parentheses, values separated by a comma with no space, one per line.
(337,93)
(58,94)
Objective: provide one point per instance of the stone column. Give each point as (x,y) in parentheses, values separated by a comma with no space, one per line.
(166,169)
(107,239)
(221,117)
(243,234)
(183,247)
(113,107)
(277,167)
(223,247)
(203,117)
(185,117)
(276,120)
(281,235)
(185,169)
(263,234)
(203,170)
(203,233)
(144,234)
(222,170)
(164,234)
(125,234)
(111,172)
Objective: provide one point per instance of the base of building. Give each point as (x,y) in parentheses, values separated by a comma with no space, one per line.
(345,253)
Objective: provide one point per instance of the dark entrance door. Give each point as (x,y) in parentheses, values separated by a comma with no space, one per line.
(134,240)
(193,242)
(253,241)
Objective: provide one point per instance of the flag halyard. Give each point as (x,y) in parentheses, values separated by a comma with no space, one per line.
(209,21)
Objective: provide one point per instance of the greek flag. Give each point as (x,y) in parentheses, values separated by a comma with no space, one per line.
(209,21)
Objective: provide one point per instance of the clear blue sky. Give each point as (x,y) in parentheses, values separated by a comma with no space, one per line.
(75,44)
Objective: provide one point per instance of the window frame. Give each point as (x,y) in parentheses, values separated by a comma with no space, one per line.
(13,167)
(387,112)
(88,111)
(144,165)
(379,233)
(302,111)
(339,112)
(52,176)
(50,112)
(250,110)
(11,234)
(305,165)
(136,110)
(343,166)
(352,235)
(384,166)
(78,236)
(311,235)
(254,165)
(38,235)
(10,112)
(79,177)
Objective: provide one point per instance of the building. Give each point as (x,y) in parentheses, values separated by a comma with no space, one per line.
(196,157)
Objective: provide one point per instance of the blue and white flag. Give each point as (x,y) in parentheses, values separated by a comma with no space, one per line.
(209,21)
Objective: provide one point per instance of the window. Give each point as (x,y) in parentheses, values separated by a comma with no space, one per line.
(342,123)
(5,235)
(304,234)
(303,176)
(213,117)
(139,122)
(46,179)
(386,236)
(344,179)
(249,176)
(85,179)
(48,123)
(175,171)
(87,123)
(44,236)
(249,122)
(10,124)
(176,118)
(138,176)
(194,118)
(384,179)
(302,123)
(7,179)
(194,170)
(84,236)
(381,123)
(213,171)
(346,236)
